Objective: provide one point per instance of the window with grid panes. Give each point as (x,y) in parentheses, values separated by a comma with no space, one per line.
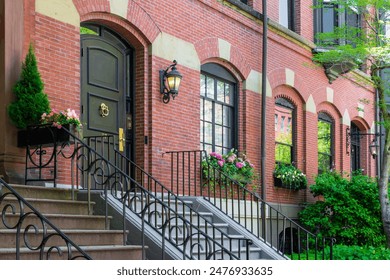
(287,13)
(325,142)
(217,109)
(284,136)
(330,16)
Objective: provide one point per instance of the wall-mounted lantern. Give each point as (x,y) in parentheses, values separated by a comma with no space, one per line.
(374,148)
(170,82)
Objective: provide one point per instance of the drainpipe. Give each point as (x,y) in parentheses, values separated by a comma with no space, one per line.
(263,117)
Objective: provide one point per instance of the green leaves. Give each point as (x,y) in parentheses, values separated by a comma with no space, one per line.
(290,176)
(31,102)
(349,210)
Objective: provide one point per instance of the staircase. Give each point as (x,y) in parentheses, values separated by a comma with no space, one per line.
(182,241)
(91,232)
(185,220)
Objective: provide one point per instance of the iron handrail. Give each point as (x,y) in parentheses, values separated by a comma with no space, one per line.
(26,227)
(242,205)
(168,200)
(96,168)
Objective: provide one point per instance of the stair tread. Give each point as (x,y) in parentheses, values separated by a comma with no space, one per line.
(85,248)
(68,215)
(51,200)
(101,231)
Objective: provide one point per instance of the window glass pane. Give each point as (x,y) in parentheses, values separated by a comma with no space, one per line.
(201,132)
(283,12)
(208,148)
(90,30)
(283,131)
(208,133)
(201,109)
(324,142)
(276,122)
(210,88)
(202,85)
(218,135)
(208,110)
(220,91)
(227,115)
(324,137)
(218,114)
(227,137)
(328,19)
(228,91)
(283,153)
(324,162)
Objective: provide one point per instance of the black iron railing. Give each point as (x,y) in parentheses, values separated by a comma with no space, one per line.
(34,232)
(94,164)
(243,205)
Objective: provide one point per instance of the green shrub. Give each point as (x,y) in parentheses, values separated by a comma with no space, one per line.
(343,252)
(349,210)
(30,101)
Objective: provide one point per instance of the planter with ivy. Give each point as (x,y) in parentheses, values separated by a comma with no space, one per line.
(289,177)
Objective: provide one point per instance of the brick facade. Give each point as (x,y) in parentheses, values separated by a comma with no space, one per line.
(195,33)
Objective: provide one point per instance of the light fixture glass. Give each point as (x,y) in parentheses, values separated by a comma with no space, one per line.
(374,148)
(170,82)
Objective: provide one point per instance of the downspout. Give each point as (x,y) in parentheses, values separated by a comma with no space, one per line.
(263,118)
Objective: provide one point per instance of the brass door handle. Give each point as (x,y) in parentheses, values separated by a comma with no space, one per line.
(104,110)
(122,139)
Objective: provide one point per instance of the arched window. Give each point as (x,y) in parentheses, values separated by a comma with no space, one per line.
(217,109)
(325,142)
(284,131)
(355,147)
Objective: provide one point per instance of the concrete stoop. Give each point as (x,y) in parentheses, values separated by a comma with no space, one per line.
(71,216)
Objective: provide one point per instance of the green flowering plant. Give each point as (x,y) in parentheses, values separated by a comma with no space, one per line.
(239,169)
(290,176)
(58,119)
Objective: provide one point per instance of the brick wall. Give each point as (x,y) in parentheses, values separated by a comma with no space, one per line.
(206,25)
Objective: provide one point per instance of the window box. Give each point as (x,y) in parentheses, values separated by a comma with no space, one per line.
(295,187)
(43,135)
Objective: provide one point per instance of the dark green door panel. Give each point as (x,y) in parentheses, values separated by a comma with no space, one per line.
(103,87)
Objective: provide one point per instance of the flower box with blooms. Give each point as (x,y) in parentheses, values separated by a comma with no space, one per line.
(236,168)
(58,119)
(289,177)
(49,131)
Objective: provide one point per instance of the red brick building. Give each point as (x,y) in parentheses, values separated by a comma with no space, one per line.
(218,48)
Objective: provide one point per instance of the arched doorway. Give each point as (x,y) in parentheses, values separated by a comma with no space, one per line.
(106,86)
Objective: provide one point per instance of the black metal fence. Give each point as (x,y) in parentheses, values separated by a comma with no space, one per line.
(244,206)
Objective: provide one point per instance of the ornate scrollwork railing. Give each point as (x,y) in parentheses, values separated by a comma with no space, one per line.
(94,164)
(244,206)
(33,232)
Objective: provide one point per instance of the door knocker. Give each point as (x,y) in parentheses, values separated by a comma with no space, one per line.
(104,111)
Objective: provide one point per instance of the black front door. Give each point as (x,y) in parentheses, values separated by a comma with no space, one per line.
(105,90)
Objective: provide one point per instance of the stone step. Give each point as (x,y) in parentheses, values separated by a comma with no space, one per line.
(51,206)
(110,252)
(79,237)
(60,221)
(41,192)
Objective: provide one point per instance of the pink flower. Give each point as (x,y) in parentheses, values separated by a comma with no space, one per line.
(240,165)
(221,162)
(216,155)
(231,158)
